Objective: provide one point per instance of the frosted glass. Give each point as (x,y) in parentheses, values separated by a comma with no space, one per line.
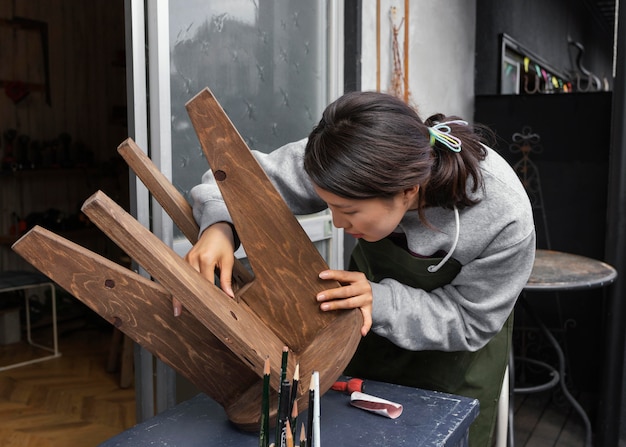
(265,62)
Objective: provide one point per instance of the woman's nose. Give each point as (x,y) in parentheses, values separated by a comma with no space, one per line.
(339,222)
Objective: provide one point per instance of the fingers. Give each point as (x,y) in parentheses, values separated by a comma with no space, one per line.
(367,322)
(213,251)
(356,286)
(362,303)
(342,276)
(357,293)
(202,262)
(226,277)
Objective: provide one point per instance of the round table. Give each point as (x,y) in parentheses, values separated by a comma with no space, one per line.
(555,271)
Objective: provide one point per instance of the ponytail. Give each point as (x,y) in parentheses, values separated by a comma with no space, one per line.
(454,173)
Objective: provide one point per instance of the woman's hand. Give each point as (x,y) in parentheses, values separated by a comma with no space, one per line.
(357,293)
(215,249)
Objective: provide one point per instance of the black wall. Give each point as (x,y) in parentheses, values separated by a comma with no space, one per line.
(574,131)
(575,172)
(573,165)
(543,27)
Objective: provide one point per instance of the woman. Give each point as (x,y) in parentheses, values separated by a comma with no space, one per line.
(445,235)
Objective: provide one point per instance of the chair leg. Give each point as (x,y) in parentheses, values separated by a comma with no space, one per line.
(114,350)
(561,373)
(511,377)
(121,357)
(503,412)
(127,369)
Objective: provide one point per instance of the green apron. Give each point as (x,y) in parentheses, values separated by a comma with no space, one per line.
(473,374)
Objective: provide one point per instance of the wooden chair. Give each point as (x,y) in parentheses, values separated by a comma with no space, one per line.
(121,358)
(218,343)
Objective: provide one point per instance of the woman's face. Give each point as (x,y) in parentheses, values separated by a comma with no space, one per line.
(369,219)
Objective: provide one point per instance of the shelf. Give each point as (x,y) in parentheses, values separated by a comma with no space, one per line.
(38,172)
(72,235)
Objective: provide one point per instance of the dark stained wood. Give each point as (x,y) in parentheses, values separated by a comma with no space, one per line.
(172,201)
(235,324)
(140,308)
(277,247)
(277,307)
(285,262)
(161,188)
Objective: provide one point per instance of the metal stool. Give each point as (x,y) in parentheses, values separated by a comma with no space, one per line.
(23,280)
(553,271)
(558,271)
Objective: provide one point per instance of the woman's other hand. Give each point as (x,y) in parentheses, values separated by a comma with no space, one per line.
(356,293)
(215,249)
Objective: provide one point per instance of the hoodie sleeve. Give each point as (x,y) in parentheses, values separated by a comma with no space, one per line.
(461,316)
(285,169)
(496,250)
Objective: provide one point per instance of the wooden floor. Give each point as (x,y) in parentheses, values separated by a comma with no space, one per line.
(540,422)
(73,401)
(67,401)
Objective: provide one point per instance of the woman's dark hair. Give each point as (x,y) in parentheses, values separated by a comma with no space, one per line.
(373,145)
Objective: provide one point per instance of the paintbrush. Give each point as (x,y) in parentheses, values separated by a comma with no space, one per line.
(281,399)
(265,407)
(283,413)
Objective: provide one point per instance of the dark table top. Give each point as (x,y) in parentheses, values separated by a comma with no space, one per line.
(429,418)
(555,270)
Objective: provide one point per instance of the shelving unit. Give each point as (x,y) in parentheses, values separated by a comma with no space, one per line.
(80,60)
(52,198)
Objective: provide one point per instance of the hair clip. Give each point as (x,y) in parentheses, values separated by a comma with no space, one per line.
(441,132)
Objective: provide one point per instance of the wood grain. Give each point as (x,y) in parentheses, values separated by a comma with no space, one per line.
(219,344)
(140,308)
(172,201)
(233,323)
(161,188)
(285,262)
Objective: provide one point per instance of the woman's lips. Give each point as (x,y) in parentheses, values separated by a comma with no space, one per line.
(356,236)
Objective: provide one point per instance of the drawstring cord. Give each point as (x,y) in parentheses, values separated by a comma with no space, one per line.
(435,267)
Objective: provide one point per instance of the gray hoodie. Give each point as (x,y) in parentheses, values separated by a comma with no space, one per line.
(495,246)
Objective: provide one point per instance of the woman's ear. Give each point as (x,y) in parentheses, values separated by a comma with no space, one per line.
(411,195)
